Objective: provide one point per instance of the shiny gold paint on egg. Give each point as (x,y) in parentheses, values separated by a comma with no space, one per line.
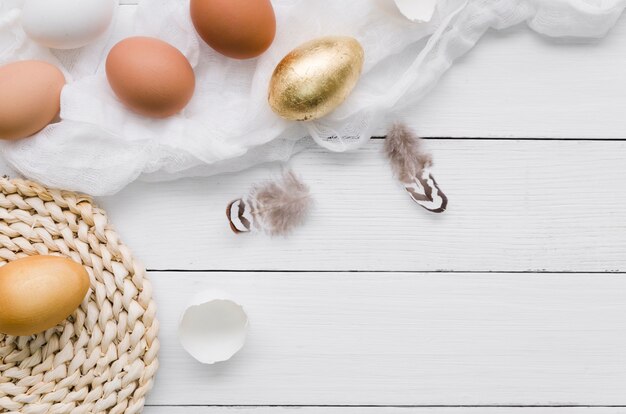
(315,78)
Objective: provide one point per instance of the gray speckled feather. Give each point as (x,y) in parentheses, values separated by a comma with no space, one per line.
(411,166)
(275,207)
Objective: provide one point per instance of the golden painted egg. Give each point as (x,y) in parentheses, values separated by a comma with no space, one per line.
(316,77)
(39,292)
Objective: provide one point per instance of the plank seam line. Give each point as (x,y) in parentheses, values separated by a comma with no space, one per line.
(536,272)
(521,139)
(390,406)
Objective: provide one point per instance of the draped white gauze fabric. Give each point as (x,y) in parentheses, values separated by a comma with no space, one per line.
(99,147)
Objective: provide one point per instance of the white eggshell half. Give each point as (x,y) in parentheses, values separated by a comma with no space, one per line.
(213,327)
(417,10)
(66,24)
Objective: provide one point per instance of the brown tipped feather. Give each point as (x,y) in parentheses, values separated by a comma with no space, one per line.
(411,166)
(405,153)
(275,207)
(238,223)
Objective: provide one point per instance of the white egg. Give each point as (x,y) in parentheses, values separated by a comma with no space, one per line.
(66,24)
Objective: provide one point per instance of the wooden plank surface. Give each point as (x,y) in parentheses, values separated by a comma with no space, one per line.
(422,338)
(404,339)
(514,206)
(379,410)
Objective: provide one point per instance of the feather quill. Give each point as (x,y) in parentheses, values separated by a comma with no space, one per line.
(274,207)
(411,165)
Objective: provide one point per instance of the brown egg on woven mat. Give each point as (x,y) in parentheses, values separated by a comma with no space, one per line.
(240,29)
(150,76)
(38,292)
(104,357)
(30,97)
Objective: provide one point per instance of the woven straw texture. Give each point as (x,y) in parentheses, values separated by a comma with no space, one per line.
(104,357)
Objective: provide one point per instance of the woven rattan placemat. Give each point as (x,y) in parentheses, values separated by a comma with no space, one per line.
(104,357)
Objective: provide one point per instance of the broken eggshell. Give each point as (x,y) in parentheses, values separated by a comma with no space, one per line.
(213,327)
(417,10)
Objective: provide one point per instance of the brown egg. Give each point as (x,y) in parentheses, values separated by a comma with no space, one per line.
(30,97)
(39,292)
(239,29)
(150,76)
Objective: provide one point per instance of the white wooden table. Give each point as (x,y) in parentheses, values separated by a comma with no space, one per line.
(513,301)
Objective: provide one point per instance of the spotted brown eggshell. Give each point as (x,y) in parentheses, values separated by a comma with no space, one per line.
(239,29)
(315,78)
(30,97)
(150,76)
(39,292)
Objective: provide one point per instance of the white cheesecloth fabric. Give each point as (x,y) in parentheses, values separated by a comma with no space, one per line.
(99,147)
